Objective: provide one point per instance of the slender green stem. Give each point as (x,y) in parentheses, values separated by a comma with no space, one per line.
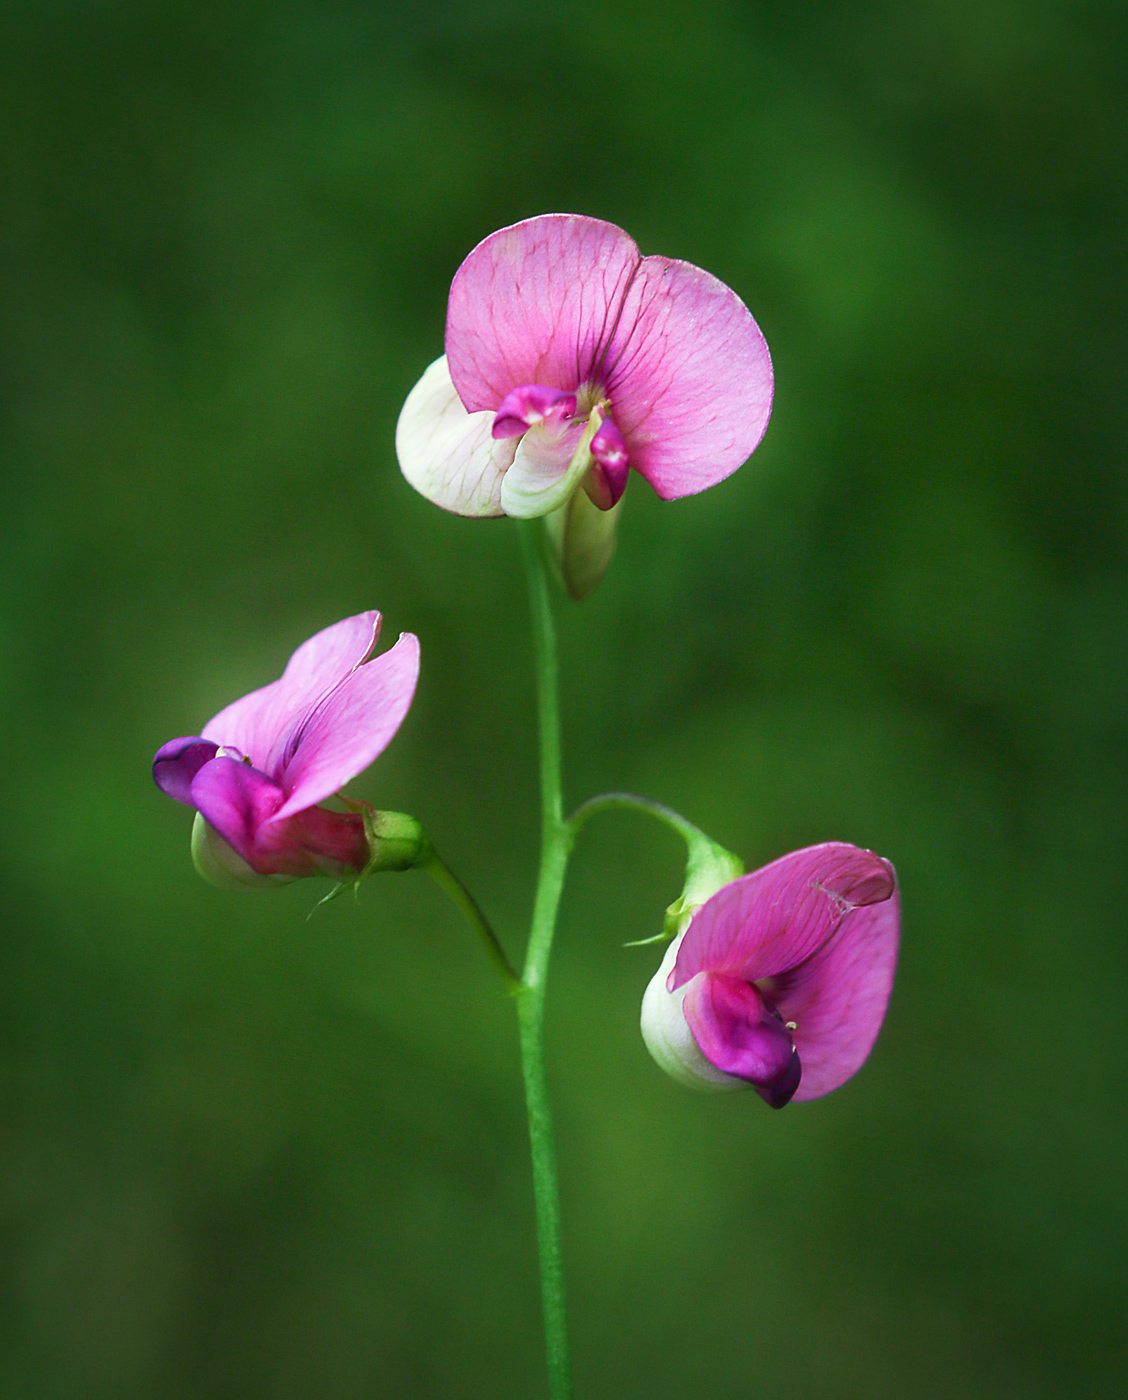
(556,843)
(609,801)
(447,880)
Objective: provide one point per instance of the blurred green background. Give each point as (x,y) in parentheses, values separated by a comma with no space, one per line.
(247,1153)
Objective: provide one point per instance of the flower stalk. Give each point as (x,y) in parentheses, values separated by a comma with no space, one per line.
(557,836)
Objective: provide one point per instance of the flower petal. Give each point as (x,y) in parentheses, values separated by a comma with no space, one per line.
(529,405)
(243,806)
(610,467)
(689,377)
(547,468)
(177,763)
(767,923)
(236,800)
(448,455)
(837,999)
(669,1039)
(737,1034)
(536,303)
(261,724)
(353,724)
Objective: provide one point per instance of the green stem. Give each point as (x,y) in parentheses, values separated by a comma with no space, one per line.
(628,801)
(447,880)
(556,843)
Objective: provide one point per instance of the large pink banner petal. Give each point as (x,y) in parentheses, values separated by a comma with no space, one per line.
(838,998)
(770,921)
(689,377)
(536,303)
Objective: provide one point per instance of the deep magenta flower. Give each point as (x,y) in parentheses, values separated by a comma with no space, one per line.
(259,769)
(571,358)
(780,981)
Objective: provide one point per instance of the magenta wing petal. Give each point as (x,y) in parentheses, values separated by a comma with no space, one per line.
(536,303)
(689,377)
(243,805)
(238,801)
(838,998)
(769,922)
(261,724)
(353,724)
(177,763)
(734,1031)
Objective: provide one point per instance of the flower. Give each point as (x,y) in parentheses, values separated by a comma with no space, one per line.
(571,358)
(780,980)
(258,770)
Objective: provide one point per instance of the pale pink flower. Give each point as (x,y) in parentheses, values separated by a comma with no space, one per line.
(259,769)
(571,358)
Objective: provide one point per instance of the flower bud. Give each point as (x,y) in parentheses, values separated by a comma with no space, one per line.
(581,540)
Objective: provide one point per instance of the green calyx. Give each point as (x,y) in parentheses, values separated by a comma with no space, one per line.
(396,841)
(709,867)
(582,540)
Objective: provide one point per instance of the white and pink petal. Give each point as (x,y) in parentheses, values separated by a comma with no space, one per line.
(448,455)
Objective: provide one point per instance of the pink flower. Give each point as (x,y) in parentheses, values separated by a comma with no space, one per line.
(571,358)
(257,772)
(780,981)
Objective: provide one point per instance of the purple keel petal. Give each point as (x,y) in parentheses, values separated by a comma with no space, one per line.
(236,800)
(536,303)
(529,405)
(177,763)
(355,722)
(767,923)
(737,1034)
(610,466)
(242,805)
(447,454)
(689,377)
(838,998)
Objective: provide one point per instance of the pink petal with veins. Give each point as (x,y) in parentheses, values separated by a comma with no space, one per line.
(689,377)
(536,303)
(817,932)
(770,921)
(351,726)
(261,724)
(244,807)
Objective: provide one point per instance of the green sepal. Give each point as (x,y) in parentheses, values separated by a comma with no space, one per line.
(396,841)
(709,867)
(581,542)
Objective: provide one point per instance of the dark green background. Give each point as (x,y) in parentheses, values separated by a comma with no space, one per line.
(247,1154)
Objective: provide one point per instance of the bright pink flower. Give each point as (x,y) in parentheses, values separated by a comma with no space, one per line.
(257,772)
(781,979)
(571,358)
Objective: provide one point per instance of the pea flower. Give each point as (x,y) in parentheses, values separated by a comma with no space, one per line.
(571,358)
(780,980)
(259,769)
